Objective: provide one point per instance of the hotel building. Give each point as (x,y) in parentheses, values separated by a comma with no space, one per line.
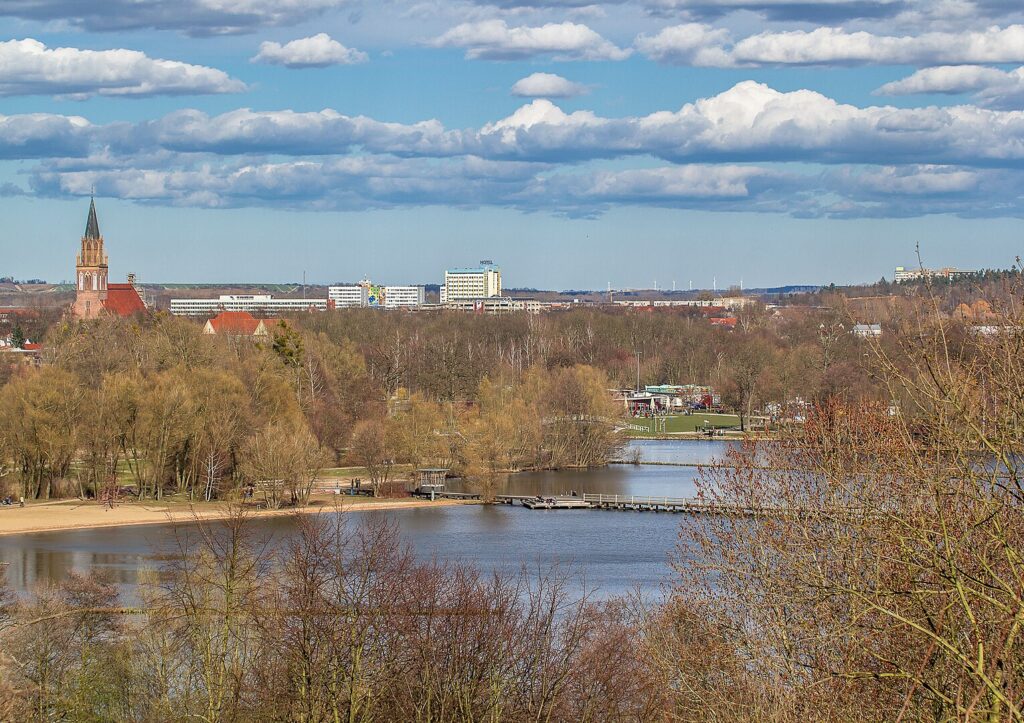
(479,283)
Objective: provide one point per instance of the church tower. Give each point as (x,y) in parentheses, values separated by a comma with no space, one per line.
(91,270)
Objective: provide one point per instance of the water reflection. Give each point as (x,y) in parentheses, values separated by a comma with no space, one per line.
(614,550)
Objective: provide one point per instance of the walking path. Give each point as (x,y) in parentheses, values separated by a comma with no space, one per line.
(76,514)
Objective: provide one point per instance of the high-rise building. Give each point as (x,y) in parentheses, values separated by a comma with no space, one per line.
(93,295)
(480,283)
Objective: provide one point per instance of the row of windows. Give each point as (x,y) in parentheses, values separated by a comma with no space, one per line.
(92,282)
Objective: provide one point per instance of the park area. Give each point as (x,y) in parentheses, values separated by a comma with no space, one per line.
(681,424)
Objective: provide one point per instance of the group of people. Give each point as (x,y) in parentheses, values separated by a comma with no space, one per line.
(647,412)
(8,501)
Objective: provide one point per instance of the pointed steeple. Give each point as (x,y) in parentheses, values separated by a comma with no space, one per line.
(92,226)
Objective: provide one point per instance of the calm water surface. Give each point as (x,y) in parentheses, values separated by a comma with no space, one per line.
(612,551)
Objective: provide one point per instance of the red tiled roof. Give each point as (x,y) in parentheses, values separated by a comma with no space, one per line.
(726,321)
(123,300)
(235,322)
(32,347)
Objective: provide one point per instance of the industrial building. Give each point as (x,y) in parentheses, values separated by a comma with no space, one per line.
(495,305)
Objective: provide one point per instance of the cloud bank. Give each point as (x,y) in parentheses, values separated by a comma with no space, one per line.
(750,148)
(700,45)
(193,17)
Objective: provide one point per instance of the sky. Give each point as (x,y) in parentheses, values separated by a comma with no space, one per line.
(578,144)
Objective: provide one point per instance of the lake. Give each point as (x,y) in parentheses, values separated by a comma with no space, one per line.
(612,551)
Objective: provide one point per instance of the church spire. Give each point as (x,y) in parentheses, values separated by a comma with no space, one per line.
(92,226)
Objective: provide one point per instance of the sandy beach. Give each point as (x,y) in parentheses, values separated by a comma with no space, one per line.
(76,514)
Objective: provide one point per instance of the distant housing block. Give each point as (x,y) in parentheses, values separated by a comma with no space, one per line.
(258,305)
(366,294)
(866,331)
(902,273)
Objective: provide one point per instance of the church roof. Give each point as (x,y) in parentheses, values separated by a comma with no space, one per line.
(235,323)
(92,226)
(123,300)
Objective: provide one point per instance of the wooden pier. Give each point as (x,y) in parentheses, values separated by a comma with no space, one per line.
(629,503)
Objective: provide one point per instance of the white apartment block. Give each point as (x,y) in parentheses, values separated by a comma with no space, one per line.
(349,296)
(389,297)
(480,283)
(902,273)
(258,305)
(404,297)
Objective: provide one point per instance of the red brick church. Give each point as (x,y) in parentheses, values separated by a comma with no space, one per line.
(94,296)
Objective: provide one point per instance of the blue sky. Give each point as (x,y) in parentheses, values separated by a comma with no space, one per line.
(576,144)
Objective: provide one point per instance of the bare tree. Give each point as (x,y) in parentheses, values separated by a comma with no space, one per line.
(374,446)
(283,459)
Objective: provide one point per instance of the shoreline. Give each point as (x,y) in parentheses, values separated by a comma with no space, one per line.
(64,516)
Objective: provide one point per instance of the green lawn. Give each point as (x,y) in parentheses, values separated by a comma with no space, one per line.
(692,423)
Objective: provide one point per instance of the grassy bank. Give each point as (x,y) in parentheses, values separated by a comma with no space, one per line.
(682,424)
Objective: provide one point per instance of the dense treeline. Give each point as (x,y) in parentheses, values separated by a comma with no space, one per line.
(155,404)
(809,354)
(160,406)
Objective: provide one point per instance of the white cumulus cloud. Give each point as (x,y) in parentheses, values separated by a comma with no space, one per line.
(991,87)
(317,51)
(688,44)
(495,40)
(547,85)
(28,67)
